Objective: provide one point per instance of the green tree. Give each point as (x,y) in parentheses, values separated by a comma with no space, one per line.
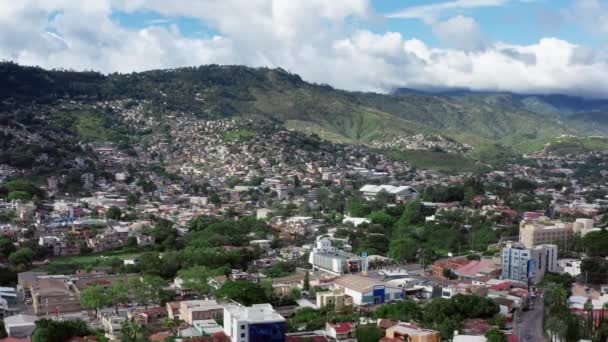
(6,247)
(21,260)
(406,311)
(118,294)
(132,331)
(306,285)
(19,195)
(94,297)
(369,333)
(495,335)
(197,278)
(147,290)
(51,331)
(114,213)
(244,292)
(357,207)
(3,333)
(412,214)
(402,249)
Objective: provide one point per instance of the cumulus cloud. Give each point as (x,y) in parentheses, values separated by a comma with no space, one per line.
(460,32)
(323,41)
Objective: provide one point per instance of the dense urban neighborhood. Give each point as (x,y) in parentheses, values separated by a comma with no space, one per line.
(171,227)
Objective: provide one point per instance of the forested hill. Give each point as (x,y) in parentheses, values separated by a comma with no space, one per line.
(216,91)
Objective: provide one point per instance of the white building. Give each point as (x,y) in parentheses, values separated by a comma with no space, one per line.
(520,263)
(570,266)
(367,290)
(402,193)
(20,326)
(259,322)
(333,260)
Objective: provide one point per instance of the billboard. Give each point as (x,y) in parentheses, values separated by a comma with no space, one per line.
(531,268)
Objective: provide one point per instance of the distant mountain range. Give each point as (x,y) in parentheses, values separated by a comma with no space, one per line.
(491,122)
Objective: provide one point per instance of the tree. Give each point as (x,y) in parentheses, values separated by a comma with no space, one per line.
(6,247)
(164,233)
(50,331)
(306,285)
(94,297)
(118,294)
(357,207)
(3,333)
(495,335)
(412,214)
(19,195)
(114,213)
(369,333)
(132,199)
(21,260)
(402,249)
(406,310)
(132,331)
(244,292)
(147,290)
(197,278)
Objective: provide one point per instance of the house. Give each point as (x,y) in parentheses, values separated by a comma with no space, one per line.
(54,295)
(409,332)
(335,299)
(343,332)
(112,325)
(196,310)
(20,325)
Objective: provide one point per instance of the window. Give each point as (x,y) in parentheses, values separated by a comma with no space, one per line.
(242,327)
(242,334)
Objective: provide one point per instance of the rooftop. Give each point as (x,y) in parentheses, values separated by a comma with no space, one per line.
(255,313)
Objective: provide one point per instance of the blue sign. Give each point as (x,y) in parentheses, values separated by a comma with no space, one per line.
(364,254)
(531,268)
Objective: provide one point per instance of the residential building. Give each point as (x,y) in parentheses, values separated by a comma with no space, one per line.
(54,295)
(528,264)
(411,333)
(335,299)
(341,332)
(257,323)
(112,325)
(570,266)
(197,310)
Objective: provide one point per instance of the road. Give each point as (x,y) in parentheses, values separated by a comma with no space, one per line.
(530,329)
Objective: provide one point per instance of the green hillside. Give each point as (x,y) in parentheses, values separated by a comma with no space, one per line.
(495,124)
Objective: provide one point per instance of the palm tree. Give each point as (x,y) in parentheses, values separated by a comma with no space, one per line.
(132,331)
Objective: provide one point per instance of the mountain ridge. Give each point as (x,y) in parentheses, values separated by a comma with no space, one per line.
(213,91)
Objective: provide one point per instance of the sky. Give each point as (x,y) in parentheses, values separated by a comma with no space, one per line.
(524,46)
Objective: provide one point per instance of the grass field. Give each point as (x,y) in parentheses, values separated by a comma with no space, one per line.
(238,135)
(70,264)
(439,161)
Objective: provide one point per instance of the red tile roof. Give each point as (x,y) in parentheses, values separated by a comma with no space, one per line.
(344,327)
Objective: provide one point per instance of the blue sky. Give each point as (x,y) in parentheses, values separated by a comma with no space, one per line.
(516,21)
(541,46)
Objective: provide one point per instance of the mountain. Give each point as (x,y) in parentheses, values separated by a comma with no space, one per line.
(493,123)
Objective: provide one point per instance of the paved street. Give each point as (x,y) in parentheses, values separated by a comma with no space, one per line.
(530,329)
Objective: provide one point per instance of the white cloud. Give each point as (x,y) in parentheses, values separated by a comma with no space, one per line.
(592,14)
(321,40)
(460,32)
(430,13)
